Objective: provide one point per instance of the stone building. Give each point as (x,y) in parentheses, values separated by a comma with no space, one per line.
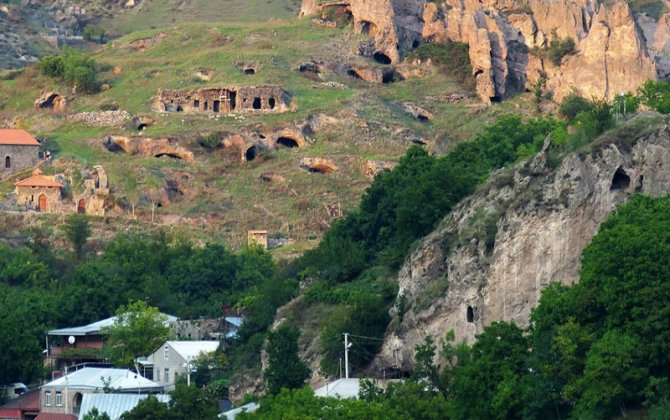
(223,99)
(96,191)
(18,150)
(175,358)
(39,192)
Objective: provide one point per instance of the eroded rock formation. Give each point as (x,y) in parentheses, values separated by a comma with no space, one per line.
(148,147)
(51,100)
(490,258)
(508,41)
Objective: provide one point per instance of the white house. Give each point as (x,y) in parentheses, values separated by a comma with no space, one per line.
(65,394)
(174,358)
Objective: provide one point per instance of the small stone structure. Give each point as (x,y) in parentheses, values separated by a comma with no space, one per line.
(39,192)
(18,151)
(96,191)
(223,99)
(258,237)
(199,329)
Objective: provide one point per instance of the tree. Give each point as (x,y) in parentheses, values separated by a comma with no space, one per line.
(656,95)
(191,402)
(77,231)
(148,409)
(285,369)
(138,330)
(94,414)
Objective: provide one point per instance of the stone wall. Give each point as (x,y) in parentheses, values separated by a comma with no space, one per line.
(29,197)
(21,157)
(223,99)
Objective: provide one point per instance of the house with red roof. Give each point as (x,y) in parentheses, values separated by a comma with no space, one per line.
(18,151)
(39,192)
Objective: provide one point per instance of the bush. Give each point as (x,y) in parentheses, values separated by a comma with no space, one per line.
(74,68)
(52,66)
(210,142)
(572,105)
(557,49)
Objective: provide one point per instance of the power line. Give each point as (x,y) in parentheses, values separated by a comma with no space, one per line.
(367,338)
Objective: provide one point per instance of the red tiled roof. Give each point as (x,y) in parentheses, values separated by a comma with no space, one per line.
(55,416)
(17,137)
(38,180)
(30,401)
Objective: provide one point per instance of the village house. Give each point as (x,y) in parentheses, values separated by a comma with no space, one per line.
(84,344)
(18,150)
(39,192)
(114,404)
(65,394)
(175,358)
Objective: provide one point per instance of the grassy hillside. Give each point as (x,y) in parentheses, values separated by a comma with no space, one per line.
(220,194)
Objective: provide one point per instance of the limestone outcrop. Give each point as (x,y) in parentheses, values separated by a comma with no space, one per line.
(615,49)
(490,258)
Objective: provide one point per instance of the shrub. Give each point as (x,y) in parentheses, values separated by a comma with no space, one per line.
(52,66)
(572,105)
(557,49)
(452,57)
(210,142)
(656,95)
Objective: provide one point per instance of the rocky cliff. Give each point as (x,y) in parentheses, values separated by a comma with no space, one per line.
(615,49)
(492,256)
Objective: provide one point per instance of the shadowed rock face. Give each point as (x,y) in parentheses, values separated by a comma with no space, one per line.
(536,222)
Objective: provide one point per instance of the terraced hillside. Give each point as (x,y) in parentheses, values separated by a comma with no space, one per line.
(249,182)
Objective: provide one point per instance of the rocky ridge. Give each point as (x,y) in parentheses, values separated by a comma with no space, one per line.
(491,257)
(615,49)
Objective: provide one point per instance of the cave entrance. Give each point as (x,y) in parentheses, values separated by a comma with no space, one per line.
(171,155)
(368,28)
(620,181)
(272,103)
(251,153)
(81,206)
(287,142)
(179,108)
(256,104)
(353,73)
(250,70)
(470,314)
(205,106)
(391,76)
(196,104)
(233,99)
(381,58)
(216,106)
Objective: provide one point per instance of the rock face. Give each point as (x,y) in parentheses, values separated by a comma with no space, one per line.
(492,256)
(505,38)
(508,41)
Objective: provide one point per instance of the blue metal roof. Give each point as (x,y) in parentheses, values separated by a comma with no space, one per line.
(96,327)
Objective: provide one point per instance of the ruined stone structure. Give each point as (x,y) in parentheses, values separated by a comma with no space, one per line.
(18,151)
(39,192)
(223,99)
(96,192)
(258,237)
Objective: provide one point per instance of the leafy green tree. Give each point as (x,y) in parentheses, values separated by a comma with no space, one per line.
(148,409)
(572,105)
(285,369)
(94,414)
(138,330)
(191,402)
(656,95)
(77,231)
(52,66)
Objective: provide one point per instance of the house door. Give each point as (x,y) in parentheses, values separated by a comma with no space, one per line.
(43,202)
(81,207)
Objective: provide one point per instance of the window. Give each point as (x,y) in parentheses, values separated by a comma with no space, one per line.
(166,353)
(166,378)
(59,399)
(8,162)
(47,398)
(158,375)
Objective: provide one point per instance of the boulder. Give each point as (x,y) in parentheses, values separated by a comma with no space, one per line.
(51,100)
(318,165)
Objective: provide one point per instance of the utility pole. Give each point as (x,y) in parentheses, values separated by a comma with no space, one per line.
(346,355)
